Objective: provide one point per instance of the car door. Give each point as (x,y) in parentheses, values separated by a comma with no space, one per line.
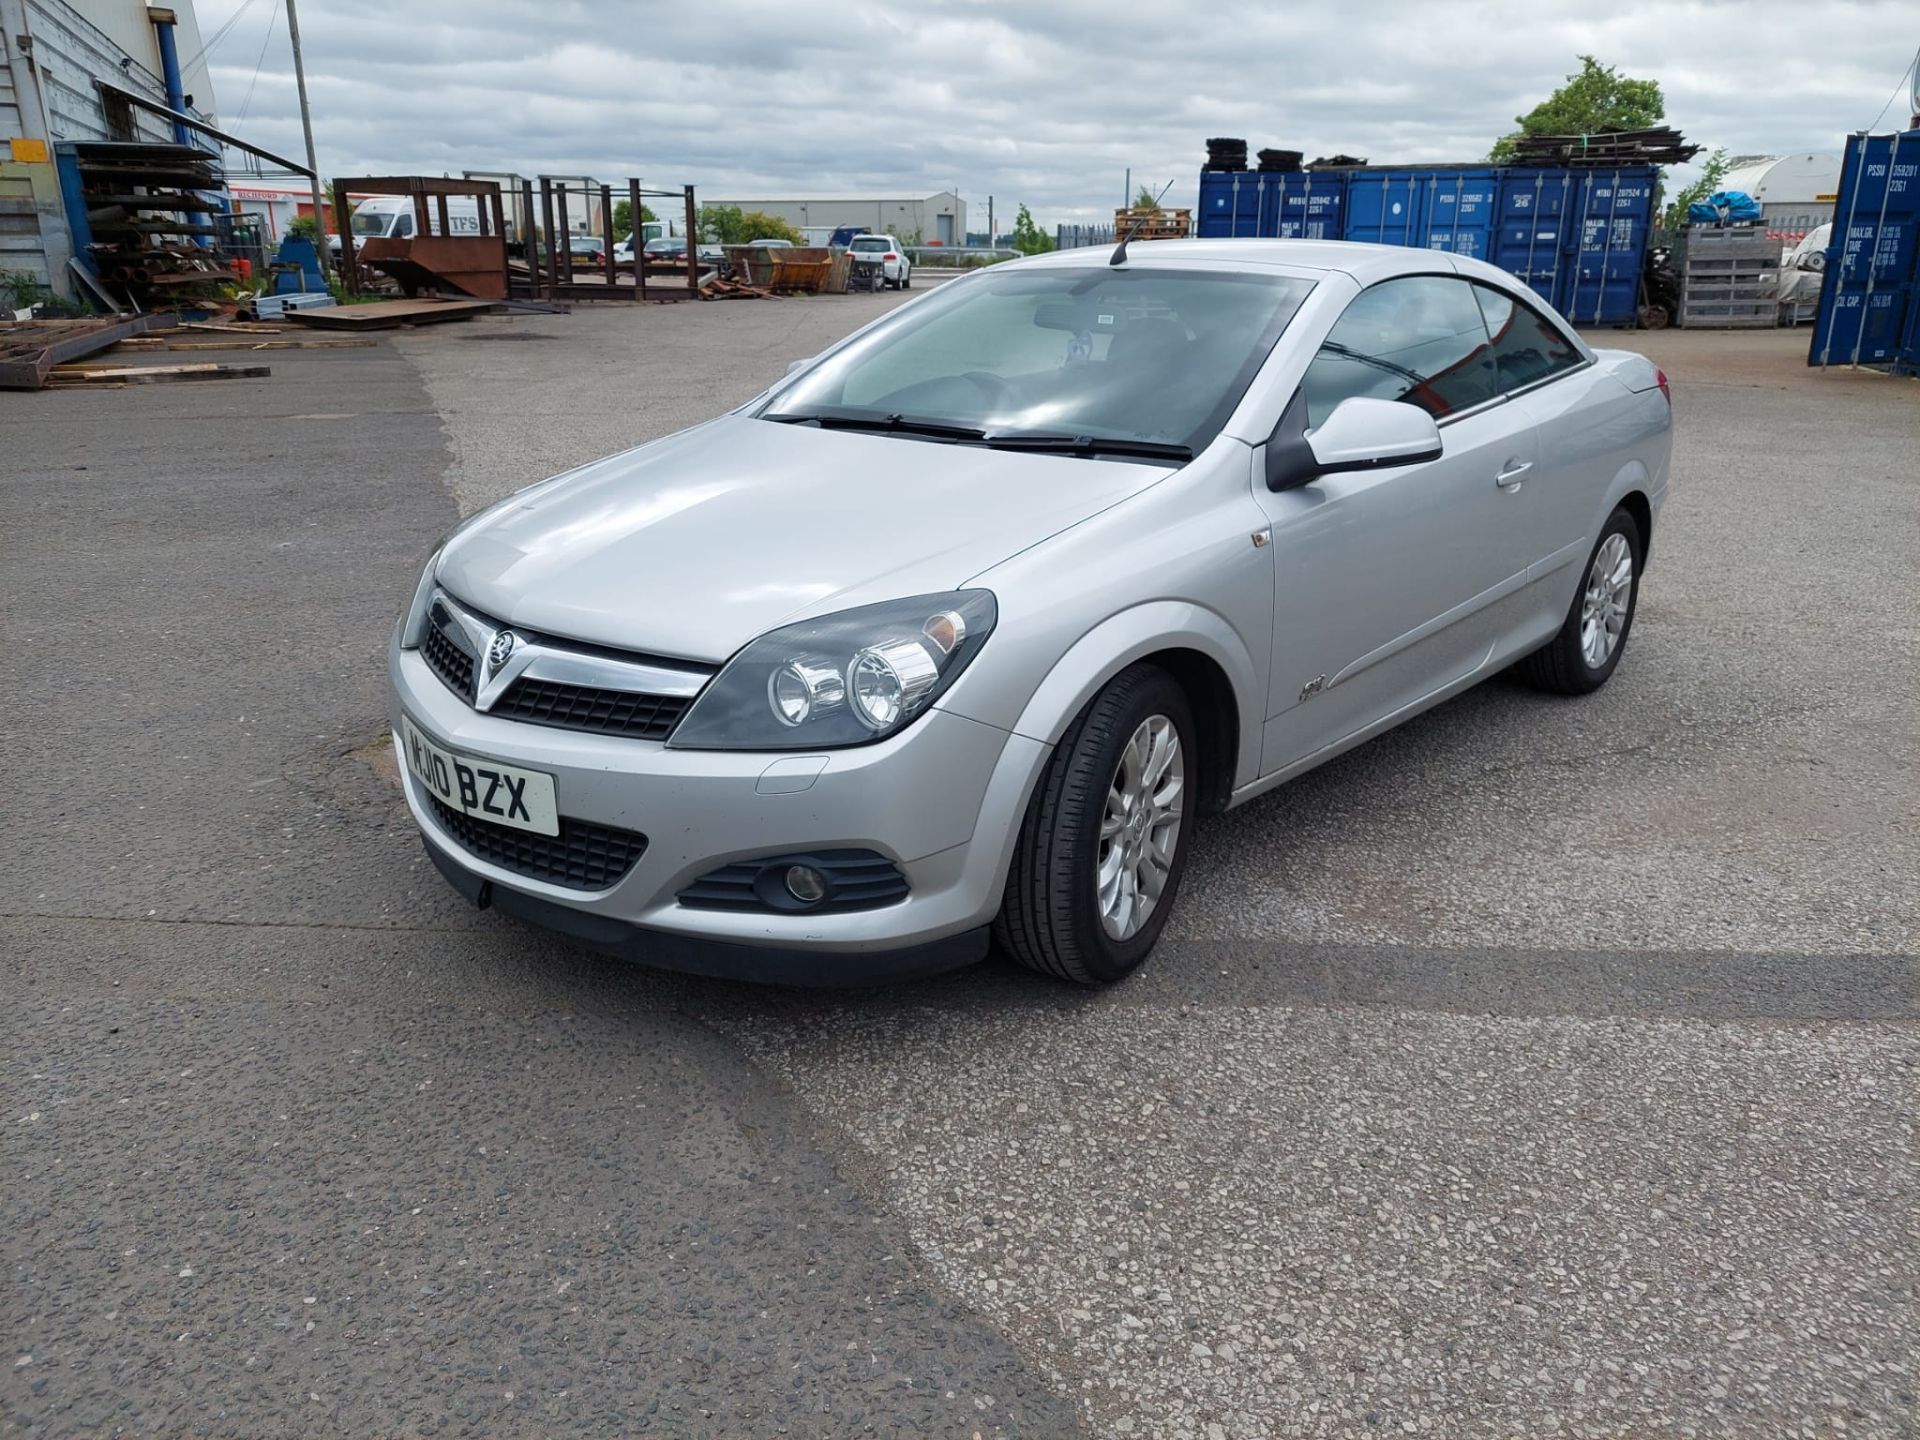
(1392,583)
(1576,408)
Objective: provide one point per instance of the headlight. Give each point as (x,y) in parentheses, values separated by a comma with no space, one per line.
(843,679)
(413,625)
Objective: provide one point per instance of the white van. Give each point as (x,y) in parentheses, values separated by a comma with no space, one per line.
(392,217)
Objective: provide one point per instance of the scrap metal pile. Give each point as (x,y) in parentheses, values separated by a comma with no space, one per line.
(147,224)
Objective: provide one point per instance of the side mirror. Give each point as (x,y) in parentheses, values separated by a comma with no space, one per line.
(1364,434)
(1360,434)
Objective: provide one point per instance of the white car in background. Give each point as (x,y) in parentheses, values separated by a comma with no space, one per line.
(1804,268)
(895,268)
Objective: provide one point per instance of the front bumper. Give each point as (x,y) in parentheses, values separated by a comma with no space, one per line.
(943,801)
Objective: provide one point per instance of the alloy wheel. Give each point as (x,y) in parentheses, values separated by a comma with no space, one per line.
(1603,610)
(1140,827)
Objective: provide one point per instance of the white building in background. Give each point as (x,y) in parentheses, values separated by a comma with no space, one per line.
(927,219)
(54,56)
(1796,192)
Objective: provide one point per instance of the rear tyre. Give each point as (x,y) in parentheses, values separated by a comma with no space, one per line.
(1104,845)
(1581,658)
(906,281)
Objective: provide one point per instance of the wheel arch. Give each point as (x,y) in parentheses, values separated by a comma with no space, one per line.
(1223,683)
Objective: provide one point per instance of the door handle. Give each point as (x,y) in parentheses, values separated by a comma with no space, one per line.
(1509,478)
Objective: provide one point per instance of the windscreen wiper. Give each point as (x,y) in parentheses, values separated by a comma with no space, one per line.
(879,424)
(1089,445)
(1347,352)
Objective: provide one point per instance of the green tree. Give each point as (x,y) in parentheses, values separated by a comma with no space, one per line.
(726,225)
(1712,171)
(1146,199)
(1596,98)
(1029,238)
(623,217)
(303,227)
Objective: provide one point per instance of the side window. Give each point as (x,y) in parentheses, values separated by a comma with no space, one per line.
(1419,339)
(402,227)
(1527,346)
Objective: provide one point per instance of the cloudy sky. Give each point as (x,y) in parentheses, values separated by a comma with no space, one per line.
(1047,102)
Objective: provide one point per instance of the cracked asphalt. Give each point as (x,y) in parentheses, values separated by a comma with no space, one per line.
(1539,1068)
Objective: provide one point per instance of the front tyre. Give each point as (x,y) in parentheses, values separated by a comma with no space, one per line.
(1581,658)
(1104,844)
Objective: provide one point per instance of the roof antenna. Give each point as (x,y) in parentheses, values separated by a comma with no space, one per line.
(1120,250)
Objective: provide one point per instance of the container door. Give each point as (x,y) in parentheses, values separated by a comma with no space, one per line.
(1215,220)
(1278,196)
(1306,206)
(1531,241)
(1384,208)
(1229,204)
(1323,207)
(1872,283)
(1610,244)
(1461,211)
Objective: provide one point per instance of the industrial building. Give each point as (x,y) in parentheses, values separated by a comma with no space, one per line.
(1796,192)
(939,219)
(64,72)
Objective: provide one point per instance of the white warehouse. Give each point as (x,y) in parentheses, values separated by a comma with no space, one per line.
(928,219)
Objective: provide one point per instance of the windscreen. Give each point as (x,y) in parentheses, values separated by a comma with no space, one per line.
(869,242)
(371,222)
(1142,354)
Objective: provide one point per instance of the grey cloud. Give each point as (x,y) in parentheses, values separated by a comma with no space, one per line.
(1047,102)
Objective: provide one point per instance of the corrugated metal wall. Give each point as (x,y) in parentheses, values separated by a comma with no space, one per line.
(47,94)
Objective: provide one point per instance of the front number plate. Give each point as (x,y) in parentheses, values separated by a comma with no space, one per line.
(484,789)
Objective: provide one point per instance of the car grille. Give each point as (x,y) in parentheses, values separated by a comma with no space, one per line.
(580,707)
(452,664)
(633,714)
(583,856)
(858,880)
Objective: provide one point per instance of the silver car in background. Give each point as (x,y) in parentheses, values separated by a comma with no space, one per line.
(957,631)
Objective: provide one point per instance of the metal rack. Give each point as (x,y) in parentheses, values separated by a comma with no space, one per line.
(1730,278)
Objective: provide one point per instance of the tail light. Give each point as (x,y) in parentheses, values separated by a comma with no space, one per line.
(1660,379)
(889,256)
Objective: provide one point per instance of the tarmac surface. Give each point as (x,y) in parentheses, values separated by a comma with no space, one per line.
(1541,1067)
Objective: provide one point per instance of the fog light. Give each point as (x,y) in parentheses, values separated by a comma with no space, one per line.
(806,884)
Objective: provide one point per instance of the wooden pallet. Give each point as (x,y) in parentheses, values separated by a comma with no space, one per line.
(1153,224)
(388,314)
(29,350)
(69,377)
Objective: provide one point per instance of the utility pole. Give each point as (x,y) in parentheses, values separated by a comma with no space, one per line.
(990,230)
(1126,195)
(306,125)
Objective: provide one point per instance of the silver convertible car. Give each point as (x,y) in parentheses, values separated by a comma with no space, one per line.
(954,634)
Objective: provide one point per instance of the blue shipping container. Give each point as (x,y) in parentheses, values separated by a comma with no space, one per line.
(1611,217)
(1461,210)
(1309,205)
(1578,237)
(1533,236)
(1304,205)
(1229,205)
(1384,207)
(1870,294)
